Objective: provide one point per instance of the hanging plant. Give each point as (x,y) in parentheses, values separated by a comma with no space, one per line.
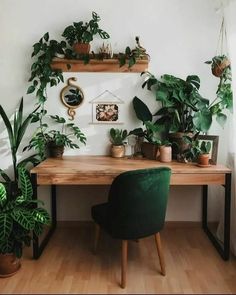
(220,67)
(220,63)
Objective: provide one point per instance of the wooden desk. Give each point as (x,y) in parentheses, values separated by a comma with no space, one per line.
(101,170)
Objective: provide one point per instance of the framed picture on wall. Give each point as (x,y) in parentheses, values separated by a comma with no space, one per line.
(214,140)
(107,108)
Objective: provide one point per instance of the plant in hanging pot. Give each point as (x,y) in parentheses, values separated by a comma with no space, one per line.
(117,138)
(220,64)
(80,34)
(19,217)
(53,141)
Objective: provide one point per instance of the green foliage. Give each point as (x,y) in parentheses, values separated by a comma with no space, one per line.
(41,73)
(118,136)
(153,132)
(224,94)
(16,131)
(19,216)
(180,102)
(196,147)
(84,32)
(65,137)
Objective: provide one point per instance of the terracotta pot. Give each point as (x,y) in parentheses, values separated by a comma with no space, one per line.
(81,48)
(9,265)
(218,69)
(117,151)
(149,150)
(165,154)
(178,144)
(55,151)
(203,159)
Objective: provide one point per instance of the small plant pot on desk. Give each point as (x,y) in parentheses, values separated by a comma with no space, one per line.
(203,160)
(149,150)
(55,151)
(165,154)
(117,151)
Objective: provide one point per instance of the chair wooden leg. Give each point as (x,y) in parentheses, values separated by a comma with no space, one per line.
(124,263)
(97,234)
(160,253)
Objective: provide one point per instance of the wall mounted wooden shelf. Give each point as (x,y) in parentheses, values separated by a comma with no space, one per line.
(95,65)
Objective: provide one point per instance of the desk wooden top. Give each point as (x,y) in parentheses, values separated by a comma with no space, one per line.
(91,170)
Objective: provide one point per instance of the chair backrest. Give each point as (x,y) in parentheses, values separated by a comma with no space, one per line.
(137,202)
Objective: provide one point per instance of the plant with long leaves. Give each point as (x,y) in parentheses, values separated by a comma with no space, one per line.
(16,131)
(20,216)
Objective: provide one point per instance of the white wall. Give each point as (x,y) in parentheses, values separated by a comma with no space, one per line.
(179,35)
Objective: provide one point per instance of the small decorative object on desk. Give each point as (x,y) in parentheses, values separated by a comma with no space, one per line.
(165,153)
(132,143)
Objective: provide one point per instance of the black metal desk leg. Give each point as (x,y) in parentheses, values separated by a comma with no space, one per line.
(38,248)
(223,249)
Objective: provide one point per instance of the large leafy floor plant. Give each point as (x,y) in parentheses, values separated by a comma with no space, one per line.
(20,216)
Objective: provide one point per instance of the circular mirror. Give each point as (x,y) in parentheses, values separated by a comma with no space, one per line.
(72,96)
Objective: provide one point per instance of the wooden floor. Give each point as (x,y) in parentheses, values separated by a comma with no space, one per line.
(69,266)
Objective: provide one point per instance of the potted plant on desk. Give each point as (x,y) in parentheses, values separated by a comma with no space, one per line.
(52,142)
(117,138)
(198,151)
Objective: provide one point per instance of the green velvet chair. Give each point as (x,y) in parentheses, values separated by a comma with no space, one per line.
(136,208)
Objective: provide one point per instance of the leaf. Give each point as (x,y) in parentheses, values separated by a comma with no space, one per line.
(202,120)
(31,89)
(141,110)
(6,246)
(6,224)
(3,195)
(41,215)
(23,217)
(38,229)
(25,184)
(46,37)
(5,176)
(221,119)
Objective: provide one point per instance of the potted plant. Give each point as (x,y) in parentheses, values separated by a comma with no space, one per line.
(183,110)
(80,34)
(219,64)
(198,151)
(117,138)
(19,217)
(153,133)
(16,130)
(165,151)
(54,141)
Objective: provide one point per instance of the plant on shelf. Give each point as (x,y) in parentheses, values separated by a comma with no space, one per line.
(54,141)
(117,138)
(16,131)
(19,217)
(132,55)
(80,34)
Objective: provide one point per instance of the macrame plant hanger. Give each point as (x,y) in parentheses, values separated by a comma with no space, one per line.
(221,60)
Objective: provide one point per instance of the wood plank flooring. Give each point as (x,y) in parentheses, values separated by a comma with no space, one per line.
(68,265)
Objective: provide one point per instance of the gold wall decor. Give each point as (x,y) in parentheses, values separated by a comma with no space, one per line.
(72,96)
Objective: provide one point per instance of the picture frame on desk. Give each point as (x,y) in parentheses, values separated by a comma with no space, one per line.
(214,140)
